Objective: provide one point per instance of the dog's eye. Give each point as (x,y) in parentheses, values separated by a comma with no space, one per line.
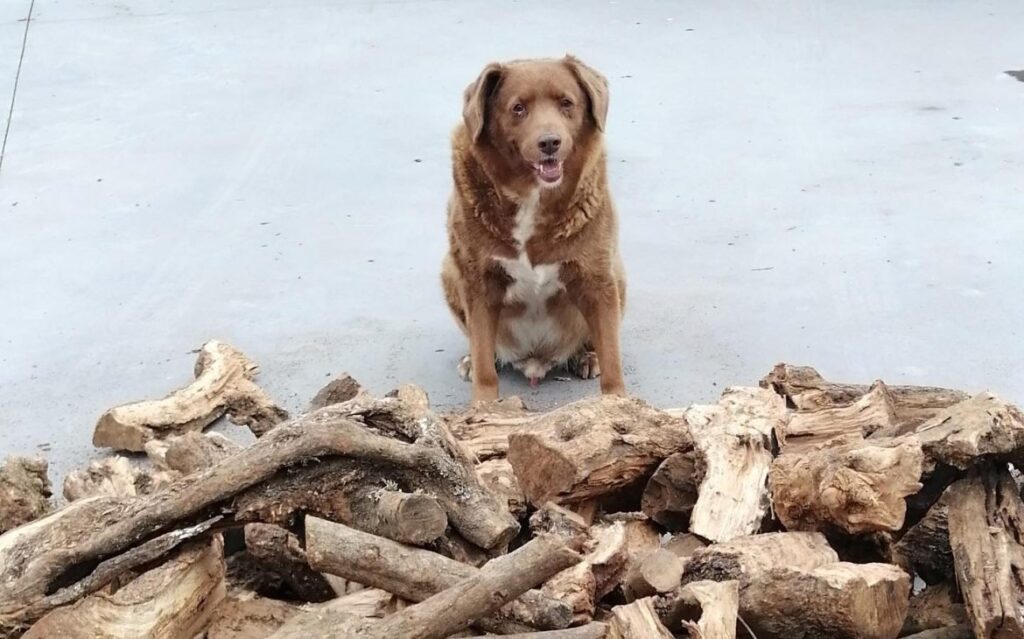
(566,103)
(518,109)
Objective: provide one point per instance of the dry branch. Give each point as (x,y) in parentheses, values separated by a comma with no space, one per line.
(592,447)
(223,378)
(24,491)
(805,389)
(986,531)
(859,487)
(733,440)
(413,573)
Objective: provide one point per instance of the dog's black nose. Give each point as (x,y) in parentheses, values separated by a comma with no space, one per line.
(549,143)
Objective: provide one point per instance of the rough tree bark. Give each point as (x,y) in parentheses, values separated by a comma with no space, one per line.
(117,477)
(24,491)
(592,447)
(986,531)
(983,427)
(873,412)
(671,492)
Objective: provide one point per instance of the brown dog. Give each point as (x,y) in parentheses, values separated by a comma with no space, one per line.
(533,273)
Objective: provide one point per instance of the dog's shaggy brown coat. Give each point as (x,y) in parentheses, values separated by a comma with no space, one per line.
(533,274)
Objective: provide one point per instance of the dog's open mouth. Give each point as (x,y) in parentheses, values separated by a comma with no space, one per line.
(549,170)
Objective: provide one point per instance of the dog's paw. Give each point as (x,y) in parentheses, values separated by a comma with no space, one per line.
(585,365)
(465,368)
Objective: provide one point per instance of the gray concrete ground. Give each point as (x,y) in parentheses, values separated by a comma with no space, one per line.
(839,184)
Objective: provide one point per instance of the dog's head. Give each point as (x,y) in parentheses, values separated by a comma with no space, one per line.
(535,113)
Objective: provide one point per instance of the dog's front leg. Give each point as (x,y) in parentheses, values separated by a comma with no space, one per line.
(482,324)
(599,303)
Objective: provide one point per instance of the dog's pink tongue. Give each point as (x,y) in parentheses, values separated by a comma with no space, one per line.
(550,170)
(534,382)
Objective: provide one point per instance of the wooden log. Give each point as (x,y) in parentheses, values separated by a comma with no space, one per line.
(413,573)
(671,492)
(556,520)
(637,620)
(873,412)
(484,429)
(748,558)
(340,389)
(594,630)
(733,440)
(223,377)
(837,601)
(934,607)
(191,452)
(683,545)
(24,491)
(717,605)
(857,488)
(453,609)
(986,530)
(924,548)
(498,476)
(172,600)
(983,427)
(804,389)
(592,447)
(659,572)
(117,477)
(607,552)
(32,559)
(282,552)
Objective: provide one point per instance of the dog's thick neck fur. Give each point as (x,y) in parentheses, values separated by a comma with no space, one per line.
(563,210)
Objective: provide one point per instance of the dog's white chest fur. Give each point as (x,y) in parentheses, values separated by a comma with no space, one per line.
(532,285)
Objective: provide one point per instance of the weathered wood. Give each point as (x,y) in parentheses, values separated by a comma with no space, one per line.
(733,440)
(659,572)
(934,607)
(117,477)
(223,377)
(556,520)
(24,491)
(413,573)
(340,389)
(282,552)
(595,630)
(747,558)
(858,487)
(684,545)
(191,452)
(497,583)
(33,558)
(237,618)
(717,606)
(983,427)
(961,631)
(592,447)
(671,492)
(637,620)
(986,531)
(924,548)
(873,412)
(607,553)
(498,476)
(834,601)
(172,600)
(484,429)
(805,389)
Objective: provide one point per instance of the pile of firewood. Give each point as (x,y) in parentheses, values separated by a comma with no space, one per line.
(801,508)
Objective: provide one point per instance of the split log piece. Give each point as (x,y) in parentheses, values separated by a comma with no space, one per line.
(340,389)
(671,492)
(603,566)
(637,620)
(498,476)
(484,429)
(24,491)
(858,488)
(717,607)
(805,389)
(556,520)
(659,572)
(413,573)
(592,447)
(733,441)
(238,618)
(986,531)
(983,427)
(937,606)
(924,548)
(747,558)
(873,412)
(174,599)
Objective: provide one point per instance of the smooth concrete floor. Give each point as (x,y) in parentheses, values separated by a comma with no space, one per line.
(836,184)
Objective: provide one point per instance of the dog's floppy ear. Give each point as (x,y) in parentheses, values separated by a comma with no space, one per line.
(476,96)
(596,87)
